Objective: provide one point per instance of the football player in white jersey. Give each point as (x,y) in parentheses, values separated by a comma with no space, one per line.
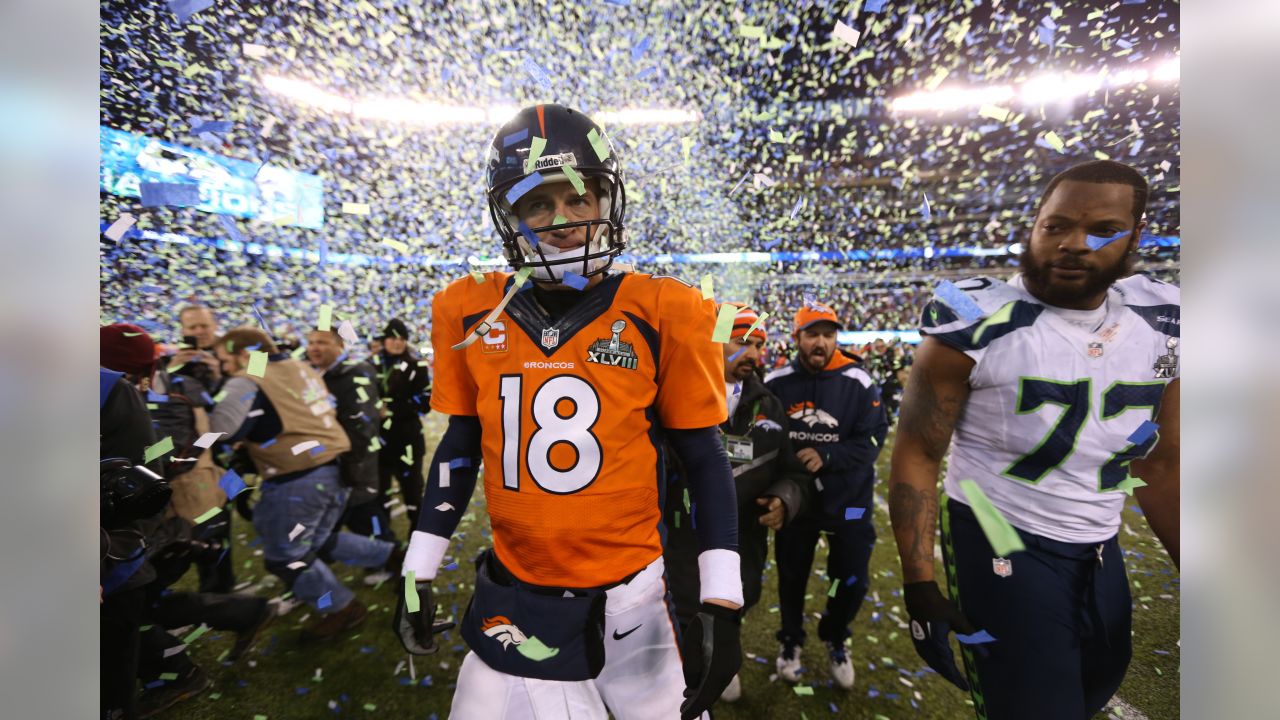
(1058,394)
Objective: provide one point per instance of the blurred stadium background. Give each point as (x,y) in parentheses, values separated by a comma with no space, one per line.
(859,152)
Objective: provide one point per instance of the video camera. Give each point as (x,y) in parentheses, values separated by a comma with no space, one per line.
(129,492)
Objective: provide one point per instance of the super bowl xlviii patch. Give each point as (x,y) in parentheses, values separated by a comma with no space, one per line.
(550,337)
(613,351)
(1167,365)
(1002,566)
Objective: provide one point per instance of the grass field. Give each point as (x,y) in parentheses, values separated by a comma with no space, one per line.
(365,674)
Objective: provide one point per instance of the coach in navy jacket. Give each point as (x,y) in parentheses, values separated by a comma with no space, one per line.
(837,425)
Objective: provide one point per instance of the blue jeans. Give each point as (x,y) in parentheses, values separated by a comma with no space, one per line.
(316,502)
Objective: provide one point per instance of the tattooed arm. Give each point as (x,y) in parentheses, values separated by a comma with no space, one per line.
(935,394)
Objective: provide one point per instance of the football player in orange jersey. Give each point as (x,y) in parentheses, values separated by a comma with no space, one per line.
(565,387)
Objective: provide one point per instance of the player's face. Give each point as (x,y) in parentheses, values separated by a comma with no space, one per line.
(394,345)
(200,323)
(816,345)
(746,357)
(540,207)
(1060,267)
(322,349)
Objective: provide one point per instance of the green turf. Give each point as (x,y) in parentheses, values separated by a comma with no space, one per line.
(363,673)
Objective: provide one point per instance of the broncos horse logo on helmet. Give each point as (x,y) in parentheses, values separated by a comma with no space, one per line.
(548,144)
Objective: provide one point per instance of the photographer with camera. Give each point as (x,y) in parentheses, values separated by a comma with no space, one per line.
(148,541)
(280,410)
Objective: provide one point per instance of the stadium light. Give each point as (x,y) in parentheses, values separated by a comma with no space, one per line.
(952,98)
(428,114)
(1051,87)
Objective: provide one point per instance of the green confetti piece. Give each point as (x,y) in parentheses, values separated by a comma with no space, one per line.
(708,287)
(724,324)
(834,585)
(326,318)
(803,690)
(574,178)
(994,112)
(750,31)
(396,245)
(168,676)
(259,717)
(559,220)
(522,275)
(158,450)
(257,364)
(759,321)
(686,500)
(410,592)
(210,513)
(1054,141)
(370,707)
(215,696)
(598,144)
(1003,538)
(535,152)
(477,276)
(195,634)
(535,650)
(1129,484)
(999,317)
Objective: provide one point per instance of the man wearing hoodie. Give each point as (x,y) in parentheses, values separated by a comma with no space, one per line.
(772,485)
(838,424)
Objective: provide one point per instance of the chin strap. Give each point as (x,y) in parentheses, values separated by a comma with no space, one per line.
(486,325)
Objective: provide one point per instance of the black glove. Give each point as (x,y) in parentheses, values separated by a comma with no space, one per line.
(415,629)
(933,616)
(712,656)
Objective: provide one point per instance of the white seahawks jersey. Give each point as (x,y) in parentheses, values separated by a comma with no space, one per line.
(1056,411)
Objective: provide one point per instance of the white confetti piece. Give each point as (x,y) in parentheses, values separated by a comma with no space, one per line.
(296,531)
(846,34)
(208,439)
(120,227)
(304,446)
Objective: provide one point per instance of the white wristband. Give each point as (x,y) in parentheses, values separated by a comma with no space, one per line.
(426,552)
(720,573)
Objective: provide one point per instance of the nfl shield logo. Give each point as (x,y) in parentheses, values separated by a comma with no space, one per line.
(1002,566)
(1095,350)
(550,337)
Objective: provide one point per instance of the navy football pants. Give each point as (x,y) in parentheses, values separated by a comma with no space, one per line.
(1061,621)
(850,552)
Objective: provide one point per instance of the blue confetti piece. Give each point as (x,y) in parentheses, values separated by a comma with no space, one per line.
(451,566)
(514,138)
(325,600)
(736,355)
(175,194)
(229,224)
(638,51)
(317,450)
(155,397)
(213,126)
(574,280)
(795,210)
(461,462)
(231,483)
(528,234)
(854,513)
(851,580)
(377,526)
(1144,432)
(522,187)
(874,6)
(1096,242)
(958,300)
(535,71)
(268,443)
(184,9)
(978,638)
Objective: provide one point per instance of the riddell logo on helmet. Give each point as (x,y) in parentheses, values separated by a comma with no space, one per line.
(550,161)
(501,629)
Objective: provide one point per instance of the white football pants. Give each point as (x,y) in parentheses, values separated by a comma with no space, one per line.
(642,677)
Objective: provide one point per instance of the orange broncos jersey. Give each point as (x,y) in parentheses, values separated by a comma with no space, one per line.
(568,412)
